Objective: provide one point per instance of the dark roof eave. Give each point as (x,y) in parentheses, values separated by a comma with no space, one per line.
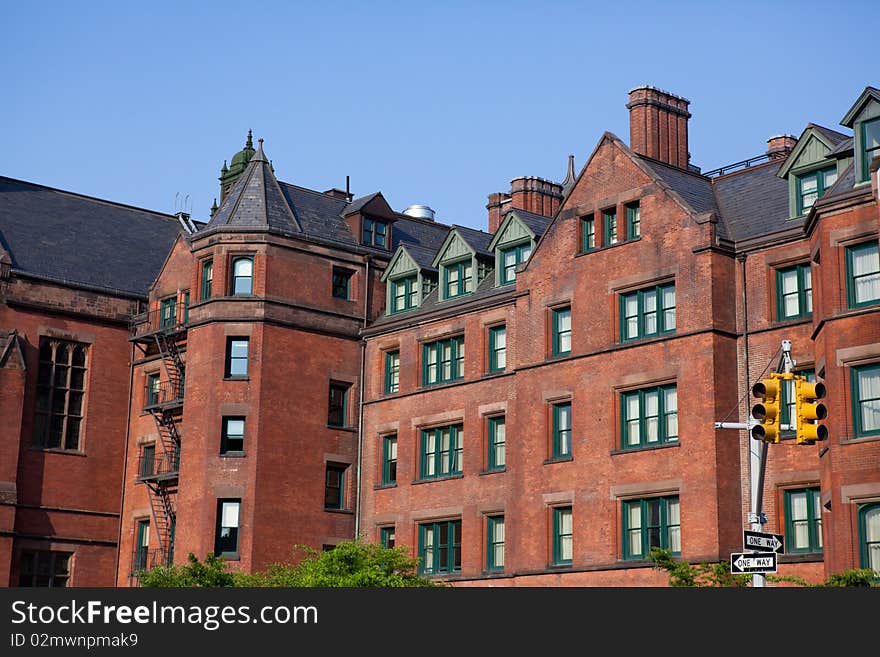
(128,294)
(771,239)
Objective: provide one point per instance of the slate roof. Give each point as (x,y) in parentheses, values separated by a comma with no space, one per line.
(753,201)
(477,239)
(83,241)
(537,223)
(844,184)
(845,146)
(836,138)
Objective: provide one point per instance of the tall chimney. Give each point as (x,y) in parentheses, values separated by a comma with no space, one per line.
(780,146)
(535,195)
(496,209)
(658,125)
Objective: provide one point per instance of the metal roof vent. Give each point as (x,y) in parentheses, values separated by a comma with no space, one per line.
(420,212)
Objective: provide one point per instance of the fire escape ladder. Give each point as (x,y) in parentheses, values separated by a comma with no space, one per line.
(174,367)
(163,517)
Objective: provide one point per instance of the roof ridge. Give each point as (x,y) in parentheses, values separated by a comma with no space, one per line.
(652,161)
(163,215)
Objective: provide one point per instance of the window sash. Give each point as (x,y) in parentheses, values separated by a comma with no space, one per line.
(341,284)
(443,361)
(404,294)
(794,292)
(869,536)
(237,357)
(337,405)
(242,276)
(651,522)
(562,535)
(334,487)
(497,443)
(561,430)
(649,417)
(633,222)
(495,543)
(228,521)
(609,220)
(561,331)
(588,234)
(233,435)
(389,460)
(870,145)
(42,568)
(866,399)
(207,279)
(803,526)
(387,537)
(863,274)
(510,258)
(392,372)
(441,452)
(811,186)
(458,278)
(497,348)
(647,313)
(440,547)
(60,403)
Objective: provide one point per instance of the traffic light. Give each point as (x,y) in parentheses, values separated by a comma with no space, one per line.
(808,411)
(768,411)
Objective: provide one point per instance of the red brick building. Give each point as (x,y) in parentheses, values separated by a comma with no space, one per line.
(525,427)
(306,367)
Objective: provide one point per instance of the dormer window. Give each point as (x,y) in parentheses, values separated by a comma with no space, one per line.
(375,233)
(811,186)
(404,294)
(870,145)
(458,279)
(510,258)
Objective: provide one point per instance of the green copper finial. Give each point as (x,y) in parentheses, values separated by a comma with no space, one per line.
(224,169)
(250,141)
(214,207)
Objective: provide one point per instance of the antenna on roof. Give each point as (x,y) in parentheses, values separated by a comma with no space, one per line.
(348,188)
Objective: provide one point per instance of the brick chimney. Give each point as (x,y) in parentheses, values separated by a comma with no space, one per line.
(528,193)
(658,125)
(780,146)
(496,209)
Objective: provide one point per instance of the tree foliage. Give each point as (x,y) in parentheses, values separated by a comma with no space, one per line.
(352,564)
(684,574)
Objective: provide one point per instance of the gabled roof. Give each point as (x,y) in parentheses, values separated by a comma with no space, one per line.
(870,93)
(844,183)
(256,200)
(534,224)
(842,149)
(537,223)
(476,239)
(753,201)
(832,136)
(828,137)
(83,241)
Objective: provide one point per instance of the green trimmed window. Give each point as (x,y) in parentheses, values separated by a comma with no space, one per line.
(441,452)
(803,520)
(866,399)
(863,274)
(207,278)
(337,406)
(242,276)
(633,221)
(561,441)
(443,361)
(496,443)
(168,312)
(41,568)
(787,412)
(647,313)
(495,543)
(561,318)
(869,536)
(510,258)
(61,382)
(152,390)
(563,535)
(375,233)
(609,222)
(141,546)
(232,436)
(404,294)
(389,460)
(497,348)
(811,186)
(148,460)
(649,523)
(440,547)
(392,372)
(185,306)
(794,292)
(226,532)
(334,487)
(649,417)
(341,286)
(870,146)
(458,279)
(387,537)
(236,357)
(588,233)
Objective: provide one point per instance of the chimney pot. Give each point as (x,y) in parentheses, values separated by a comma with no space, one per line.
(780,146)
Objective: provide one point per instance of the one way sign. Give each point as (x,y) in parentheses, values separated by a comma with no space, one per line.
(763,542)
(752,563)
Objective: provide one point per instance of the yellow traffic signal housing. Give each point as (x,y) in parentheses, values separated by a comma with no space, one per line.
(808,411)
(768,412)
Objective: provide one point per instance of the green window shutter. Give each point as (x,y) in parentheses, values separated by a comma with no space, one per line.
(863,274)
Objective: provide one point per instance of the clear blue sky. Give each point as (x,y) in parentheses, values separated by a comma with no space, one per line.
(438,103)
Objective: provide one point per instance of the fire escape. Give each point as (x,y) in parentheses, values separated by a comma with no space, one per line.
(162,332)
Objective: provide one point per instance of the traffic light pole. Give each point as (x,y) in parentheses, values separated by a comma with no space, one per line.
(757,461)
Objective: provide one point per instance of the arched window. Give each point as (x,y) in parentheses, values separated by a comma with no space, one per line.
(243,276)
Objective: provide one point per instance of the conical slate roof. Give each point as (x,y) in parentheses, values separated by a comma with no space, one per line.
(256,200)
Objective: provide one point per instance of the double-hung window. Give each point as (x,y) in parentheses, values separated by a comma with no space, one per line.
(404,294)
(561,327)
(168,312)
(153,390)
(458,279)
(440,547)
(561,447)
(510,258)
(341,285)
(649,523)
(337,405)
(441,452)
(870,146)
(803,520)
(588,233)
(387,537)
(232,438)
(649,417)
(443,361)
(140,559)
(44,568)
(633,221)
(495,543)
(497,348)
(869,536)
(226,534)
(648,312)
(389,460)
(863,274)
(563,535)
(496,443)
(236,357)
(794,292)
(866,399)
(609,221)
(375,233)
(392,372)
(334,487)
(242,276)
(207,278)
(810,187)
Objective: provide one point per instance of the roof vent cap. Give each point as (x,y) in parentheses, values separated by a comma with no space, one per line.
(420,212)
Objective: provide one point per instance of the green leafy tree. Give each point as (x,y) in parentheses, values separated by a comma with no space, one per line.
(352,564)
